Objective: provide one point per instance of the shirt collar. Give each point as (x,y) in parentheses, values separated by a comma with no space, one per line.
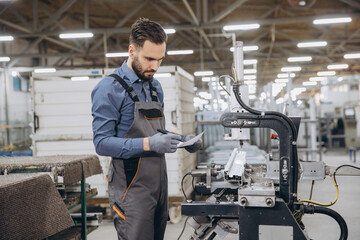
(129,73)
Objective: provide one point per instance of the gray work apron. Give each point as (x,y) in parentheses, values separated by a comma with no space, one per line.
(138,186)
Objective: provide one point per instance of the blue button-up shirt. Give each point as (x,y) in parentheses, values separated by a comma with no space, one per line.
(113,113)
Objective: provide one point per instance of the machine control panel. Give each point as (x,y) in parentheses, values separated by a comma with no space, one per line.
(239,123)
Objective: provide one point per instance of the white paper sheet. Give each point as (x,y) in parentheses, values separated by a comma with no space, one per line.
(191,141)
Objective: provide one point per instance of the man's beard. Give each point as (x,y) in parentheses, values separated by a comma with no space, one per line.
(136,66)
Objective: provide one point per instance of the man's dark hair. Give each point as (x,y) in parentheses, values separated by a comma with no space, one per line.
(144,29)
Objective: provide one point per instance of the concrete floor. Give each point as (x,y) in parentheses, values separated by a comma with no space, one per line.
(318,226)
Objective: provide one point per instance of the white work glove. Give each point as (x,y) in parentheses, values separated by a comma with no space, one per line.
(193,148)
(164,143)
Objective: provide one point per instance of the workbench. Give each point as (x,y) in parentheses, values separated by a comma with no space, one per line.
(73,168)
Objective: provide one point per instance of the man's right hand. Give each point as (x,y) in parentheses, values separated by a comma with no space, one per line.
(164,143)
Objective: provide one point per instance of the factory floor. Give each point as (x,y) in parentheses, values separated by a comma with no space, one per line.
(318,226)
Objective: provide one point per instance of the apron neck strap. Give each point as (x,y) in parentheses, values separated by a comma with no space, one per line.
(154,96)
(127,88)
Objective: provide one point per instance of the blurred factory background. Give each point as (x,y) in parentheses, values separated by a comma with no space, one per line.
(300,58)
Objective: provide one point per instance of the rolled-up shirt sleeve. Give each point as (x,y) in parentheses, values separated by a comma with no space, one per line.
(106,115)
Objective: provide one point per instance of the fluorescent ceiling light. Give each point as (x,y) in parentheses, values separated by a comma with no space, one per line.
(250,48)
(83,78)
(247,48)
(180,52)
(162,75)
(4,59)
(204,73)
(6,38)
(117,54)
(241,27)
(76,35)
(249,71)
(352,55)
(281,80)
(317,79)
(286,75)
(311,83)
(250,61)
(337,66)
(250,82)
(311,44)
(207,79)
(291,69)
(44,70)
(332,20)
(169,30)
(300,59)
(326,73)
(249,77)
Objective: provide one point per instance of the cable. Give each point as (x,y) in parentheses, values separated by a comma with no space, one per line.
(256,112)
(328,211)
(183,229)
(326,204)
(222,86)
(182,185)
(346,165)
(336,186)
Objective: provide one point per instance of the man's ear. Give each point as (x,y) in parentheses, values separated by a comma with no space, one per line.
(131,50)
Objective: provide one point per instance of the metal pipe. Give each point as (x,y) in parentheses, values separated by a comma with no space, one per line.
(239,60)
(6,105)
(105,51)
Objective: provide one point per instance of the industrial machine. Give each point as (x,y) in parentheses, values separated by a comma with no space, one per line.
(256,201)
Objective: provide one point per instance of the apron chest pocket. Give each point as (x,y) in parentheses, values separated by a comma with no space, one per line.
(151,114)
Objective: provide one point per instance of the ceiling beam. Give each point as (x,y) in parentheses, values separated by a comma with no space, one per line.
(183,35)
(202,32)
(205,10)
(30,47)
(58,23)
(180,27)
(344,42)
(4,8)
(58,13)
(352,3)
(176,9)
(20,17)
(15,26)
(35,4)
(192,14)
(227,11)
(118,25)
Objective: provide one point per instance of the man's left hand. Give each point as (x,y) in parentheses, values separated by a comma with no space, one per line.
(193,148)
